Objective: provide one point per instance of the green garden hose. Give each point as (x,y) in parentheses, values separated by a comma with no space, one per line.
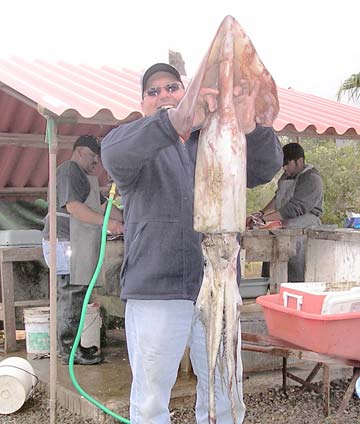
(83,313)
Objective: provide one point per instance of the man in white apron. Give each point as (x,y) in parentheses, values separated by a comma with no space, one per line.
(79,223)
(298,202)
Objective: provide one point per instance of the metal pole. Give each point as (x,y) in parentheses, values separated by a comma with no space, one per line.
(51,139)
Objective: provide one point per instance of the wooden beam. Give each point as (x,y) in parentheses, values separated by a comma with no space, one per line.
(34,140)
(13,93)
(8,312)
(26,190)
(23,191)
(338,234)
(32,302)
(350,390)
(29,191)
(20,254)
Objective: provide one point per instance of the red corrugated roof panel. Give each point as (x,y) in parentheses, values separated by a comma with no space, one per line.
(302,111)
(87,90)
(90,98)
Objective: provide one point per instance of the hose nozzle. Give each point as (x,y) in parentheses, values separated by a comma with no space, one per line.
(112,191)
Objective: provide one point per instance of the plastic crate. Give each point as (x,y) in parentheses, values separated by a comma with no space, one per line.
(333,334)
(253,287)
(352,222)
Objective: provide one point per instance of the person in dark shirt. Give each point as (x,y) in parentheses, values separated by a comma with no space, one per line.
(80,210)
(298,202)
(163,265)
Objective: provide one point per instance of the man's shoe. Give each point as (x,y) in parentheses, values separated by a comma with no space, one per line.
(92,350)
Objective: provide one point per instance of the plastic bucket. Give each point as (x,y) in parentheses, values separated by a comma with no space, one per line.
(17,380)
(37,329)
(90,335)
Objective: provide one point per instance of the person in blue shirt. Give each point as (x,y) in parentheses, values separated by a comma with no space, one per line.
(163,264)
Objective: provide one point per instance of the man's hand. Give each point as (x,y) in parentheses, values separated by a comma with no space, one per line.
(206,102)
(115,226)
(244,102)
(255,220)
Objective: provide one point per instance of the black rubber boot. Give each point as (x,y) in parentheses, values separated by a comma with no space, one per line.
(69,304)
(85,356)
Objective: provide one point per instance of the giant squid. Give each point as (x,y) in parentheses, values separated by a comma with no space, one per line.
(220,192)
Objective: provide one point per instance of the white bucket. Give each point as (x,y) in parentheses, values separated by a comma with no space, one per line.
(37,328)
(17,380)
(90,335)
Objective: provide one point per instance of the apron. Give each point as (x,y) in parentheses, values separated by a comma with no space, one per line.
(286,189)
(85,240)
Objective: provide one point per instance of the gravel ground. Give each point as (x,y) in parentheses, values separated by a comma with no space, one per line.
(271,406)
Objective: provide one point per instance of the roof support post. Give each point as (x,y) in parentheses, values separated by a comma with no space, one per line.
(51,139)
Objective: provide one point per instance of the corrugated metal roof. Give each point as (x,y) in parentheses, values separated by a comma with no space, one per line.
(63,88)
(315,116)
(93,100)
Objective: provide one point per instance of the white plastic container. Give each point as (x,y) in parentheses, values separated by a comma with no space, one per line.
(37,329)
(357,387)
(321,298)
(17,381)
(342,302)
(90,335)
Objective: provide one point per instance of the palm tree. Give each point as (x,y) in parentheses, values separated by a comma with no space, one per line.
(352,87)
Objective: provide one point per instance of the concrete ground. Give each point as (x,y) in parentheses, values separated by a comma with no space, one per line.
(109,382)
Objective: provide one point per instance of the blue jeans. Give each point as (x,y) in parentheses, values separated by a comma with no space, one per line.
(157,332)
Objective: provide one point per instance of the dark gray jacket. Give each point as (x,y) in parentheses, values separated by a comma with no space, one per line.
(154,173)
(308,195)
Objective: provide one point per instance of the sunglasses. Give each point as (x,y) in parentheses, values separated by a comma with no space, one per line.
(172,87)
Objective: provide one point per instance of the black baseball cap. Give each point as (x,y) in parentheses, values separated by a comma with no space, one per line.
(158,67)
(292,151)
(89,141)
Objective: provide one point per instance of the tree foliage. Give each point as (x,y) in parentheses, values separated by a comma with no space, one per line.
(339,168)
(351,86)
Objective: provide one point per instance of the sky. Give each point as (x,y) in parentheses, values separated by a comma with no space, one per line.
(309,45)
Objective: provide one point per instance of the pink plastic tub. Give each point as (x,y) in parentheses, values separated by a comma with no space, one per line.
(335,334)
